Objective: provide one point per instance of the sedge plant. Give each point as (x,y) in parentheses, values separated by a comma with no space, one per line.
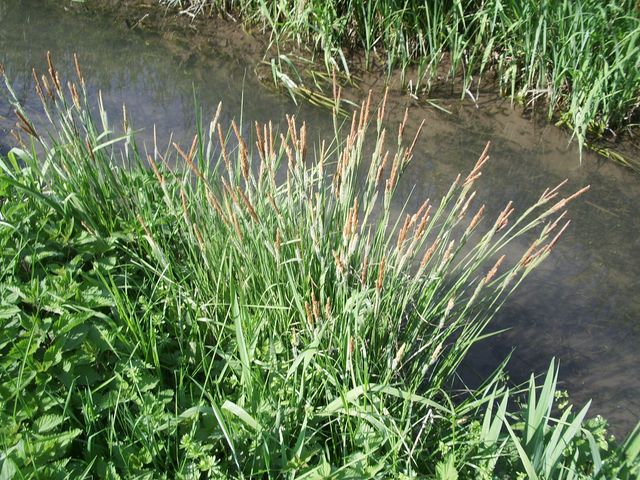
(227,311)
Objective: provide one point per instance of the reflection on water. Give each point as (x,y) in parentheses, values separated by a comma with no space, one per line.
(580,306)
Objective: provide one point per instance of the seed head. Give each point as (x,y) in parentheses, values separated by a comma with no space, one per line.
(380,274)
(429,253)
(398,358)
(307,310)
(339,263)
(494,270)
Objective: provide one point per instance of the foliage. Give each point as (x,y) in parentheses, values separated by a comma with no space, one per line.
(579,58)
(260,314)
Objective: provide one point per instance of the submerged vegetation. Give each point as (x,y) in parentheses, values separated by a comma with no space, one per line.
(227,311)
(580,60)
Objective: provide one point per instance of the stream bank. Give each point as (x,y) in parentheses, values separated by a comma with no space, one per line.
(283,63)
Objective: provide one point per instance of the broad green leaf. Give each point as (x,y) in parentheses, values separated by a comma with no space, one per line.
(631,446)
(241,342)
(8,470)
(242,414)
(446,470)
(48,422)
(526,462)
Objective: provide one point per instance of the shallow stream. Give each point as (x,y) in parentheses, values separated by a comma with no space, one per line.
(581,306)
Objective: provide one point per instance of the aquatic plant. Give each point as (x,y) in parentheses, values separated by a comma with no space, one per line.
(227,311)
(579,60)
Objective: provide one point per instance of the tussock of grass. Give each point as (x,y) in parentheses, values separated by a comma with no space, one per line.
(259,312)
(579,59)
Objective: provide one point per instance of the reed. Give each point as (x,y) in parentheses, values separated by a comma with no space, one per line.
(255,312)
(576,60)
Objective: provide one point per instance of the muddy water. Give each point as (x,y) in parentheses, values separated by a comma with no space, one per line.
(580,306)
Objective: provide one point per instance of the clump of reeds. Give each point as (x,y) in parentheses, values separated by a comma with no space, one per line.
(258,311)
(576,59)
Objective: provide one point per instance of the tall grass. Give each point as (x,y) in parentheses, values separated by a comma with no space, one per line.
(260,312)
(578,59)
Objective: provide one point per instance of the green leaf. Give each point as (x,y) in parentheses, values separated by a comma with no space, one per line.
(631,446)
(557,444)
(9,469)
(305,356)
(242,414)
(241,342)
(7,312)
(447,470)
(352,395)
(491,427)
(526,462)
(225,431)
(48,422)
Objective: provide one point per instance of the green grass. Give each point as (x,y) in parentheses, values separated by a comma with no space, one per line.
(260,312)
(577,60)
